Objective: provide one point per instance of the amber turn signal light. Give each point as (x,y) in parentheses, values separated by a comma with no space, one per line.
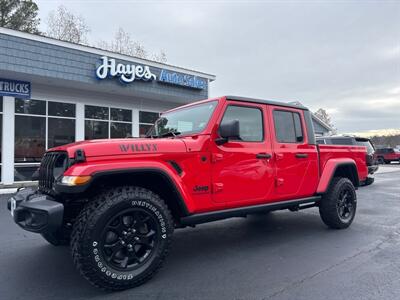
(75,180)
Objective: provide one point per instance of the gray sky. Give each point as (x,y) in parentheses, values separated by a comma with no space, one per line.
(343,56)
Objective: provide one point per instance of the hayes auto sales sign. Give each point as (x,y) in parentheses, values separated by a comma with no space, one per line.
(128,73)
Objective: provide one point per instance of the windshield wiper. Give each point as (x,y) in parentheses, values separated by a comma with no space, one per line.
(170,133)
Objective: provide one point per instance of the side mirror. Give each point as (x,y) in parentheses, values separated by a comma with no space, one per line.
(227,131)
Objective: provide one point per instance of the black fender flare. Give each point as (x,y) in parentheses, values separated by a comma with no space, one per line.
(64,189)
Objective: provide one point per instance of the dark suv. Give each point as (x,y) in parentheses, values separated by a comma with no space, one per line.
(372,161)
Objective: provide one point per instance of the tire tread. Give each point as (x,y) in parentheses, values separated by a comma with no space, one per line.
(89,213)
(327,207)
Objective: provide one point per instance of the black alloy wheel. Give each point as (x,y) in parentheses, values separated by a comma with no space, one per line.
(345,205)
(129,239)
(338,205)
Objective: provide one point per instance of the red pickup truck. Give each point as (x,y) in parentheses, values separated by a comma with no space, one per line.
(117,202)
(387,155)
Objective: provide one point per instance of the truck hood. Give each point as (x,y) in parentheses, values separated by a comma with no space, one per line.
(113,147)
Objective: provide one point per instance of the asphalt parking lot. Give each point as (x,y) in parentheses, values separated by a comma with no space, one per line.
(284,255)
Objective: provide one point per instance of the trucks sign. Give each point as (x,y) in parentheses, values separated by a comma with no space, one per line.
(15,88)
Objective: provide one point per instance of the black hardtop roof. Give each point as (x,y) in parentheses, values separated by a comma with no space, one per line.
(270,102)
(357,138)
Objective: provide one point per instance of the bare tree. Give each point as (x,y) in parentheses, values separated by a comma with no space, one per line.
(159,57)
(323,115)
(64,25)
(124,44)
(386,140)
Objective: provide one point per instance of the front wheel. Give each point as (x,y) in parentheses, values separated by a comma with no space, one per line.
(121,238)
(338,206)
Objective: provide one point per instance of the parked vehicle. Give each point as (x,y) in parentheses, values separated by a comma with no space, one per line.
(118,201)
(387,155)
(372,162)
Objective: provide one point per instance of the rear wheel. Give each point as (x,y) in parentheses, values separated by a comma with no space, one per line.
(338,206)
(122,237)
(381,161)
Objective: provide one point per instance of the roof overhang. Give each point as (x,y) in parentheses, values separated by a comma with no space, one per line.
(101,52)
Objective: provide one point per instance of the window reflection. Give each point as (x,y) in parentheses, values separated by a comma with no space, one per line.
(30,138)
(96,130)
(60,132)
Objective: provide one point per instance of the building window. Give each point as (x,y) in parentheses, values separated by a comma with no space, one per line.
(31,107)
(61,124)
(121,123)
(104,122)
(30,137)
(96,122)
(1,135)
(146,121)
(40,125)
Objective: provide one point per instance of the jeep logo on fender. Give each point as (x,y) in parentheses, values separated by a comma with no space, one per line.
(200,189)
(138,147)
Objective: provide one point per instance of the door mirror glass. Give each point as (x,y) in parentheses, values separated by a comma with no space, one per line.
(229,130)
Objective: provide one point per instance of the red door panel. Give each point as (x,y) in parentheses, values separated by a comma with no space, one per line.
(239,174)
(296,161)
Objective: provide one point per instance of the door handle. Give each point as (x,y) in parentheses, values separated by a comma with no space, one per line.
(301,155)
(263,155)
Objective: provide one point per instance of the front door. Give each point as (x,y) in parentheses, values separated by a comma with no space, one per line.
(241,169)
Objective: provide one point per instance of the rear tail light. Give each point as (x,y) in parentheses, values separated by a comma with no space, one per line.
(370,159)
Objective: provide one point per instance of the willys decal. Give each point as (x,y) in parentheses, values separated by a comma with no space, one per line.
(138,147)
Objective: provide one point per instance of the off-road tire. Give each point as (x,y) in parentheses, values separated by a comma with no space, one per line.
(88,256)
(58,238)
(381,161)
(328,207)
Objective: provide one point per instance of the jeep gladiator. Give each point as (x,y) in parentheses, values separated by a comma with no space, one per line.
(118,201)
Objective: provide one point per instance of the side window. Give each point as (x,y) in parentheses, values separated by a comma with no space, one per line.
(342,142)
(250,122)
(288,127)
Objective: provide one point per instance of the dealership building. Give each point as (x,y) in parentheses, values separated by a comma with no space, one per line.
(54,92)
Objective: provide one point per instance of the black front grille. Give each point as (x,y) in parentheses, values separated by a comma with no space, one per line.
(51,168)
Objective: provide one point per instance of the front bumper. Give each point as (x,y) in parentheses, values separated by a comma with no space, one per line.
(36,212)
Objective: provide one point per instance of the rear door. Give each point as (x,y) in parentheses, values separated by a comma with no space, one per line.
(297,170)
(242,170)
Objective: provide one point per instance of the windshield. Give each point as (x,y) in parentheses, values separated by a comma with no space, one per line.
(189,120)
(370,148)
